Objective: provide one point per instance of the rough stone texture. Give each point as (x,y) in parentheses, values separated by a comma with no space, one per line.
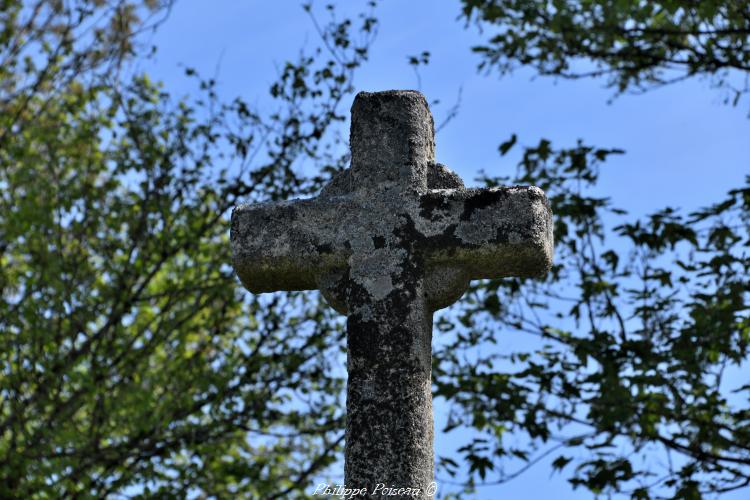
(388,242)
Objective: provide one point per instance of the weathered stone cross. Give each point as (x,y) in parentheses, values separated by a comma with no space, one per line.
(388,242)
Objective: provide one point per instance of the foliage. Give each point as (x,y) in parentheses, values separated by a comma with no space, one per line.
(130,359)
(638,45)
(641,337)
(634,382)
(133,363)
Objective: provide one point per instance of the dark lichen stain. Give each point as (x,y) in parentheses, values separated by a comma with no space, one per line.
(447,242)
(480,200)
(324,249)
(432,202)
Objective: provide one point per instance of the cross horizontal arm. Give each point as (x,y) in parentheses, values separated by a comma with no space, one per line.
(286,245)
(490,233)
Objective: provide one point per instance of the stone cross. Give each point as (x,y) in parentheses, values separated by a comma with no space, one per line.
(388,242)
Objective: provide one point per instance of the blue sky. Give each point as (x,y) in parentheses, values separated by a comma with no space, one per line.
(684,147)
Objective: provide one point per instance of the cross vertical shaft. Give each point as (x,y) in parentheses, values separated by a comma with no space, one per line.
(389,434)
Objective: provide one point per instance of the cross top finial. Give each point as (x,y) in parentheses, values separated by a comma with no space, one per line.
(392,139)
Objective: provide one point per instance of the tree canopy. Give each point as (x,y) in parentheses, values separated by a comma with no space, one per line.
(130,357)
(637,45)
(640,319)
(133,363)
